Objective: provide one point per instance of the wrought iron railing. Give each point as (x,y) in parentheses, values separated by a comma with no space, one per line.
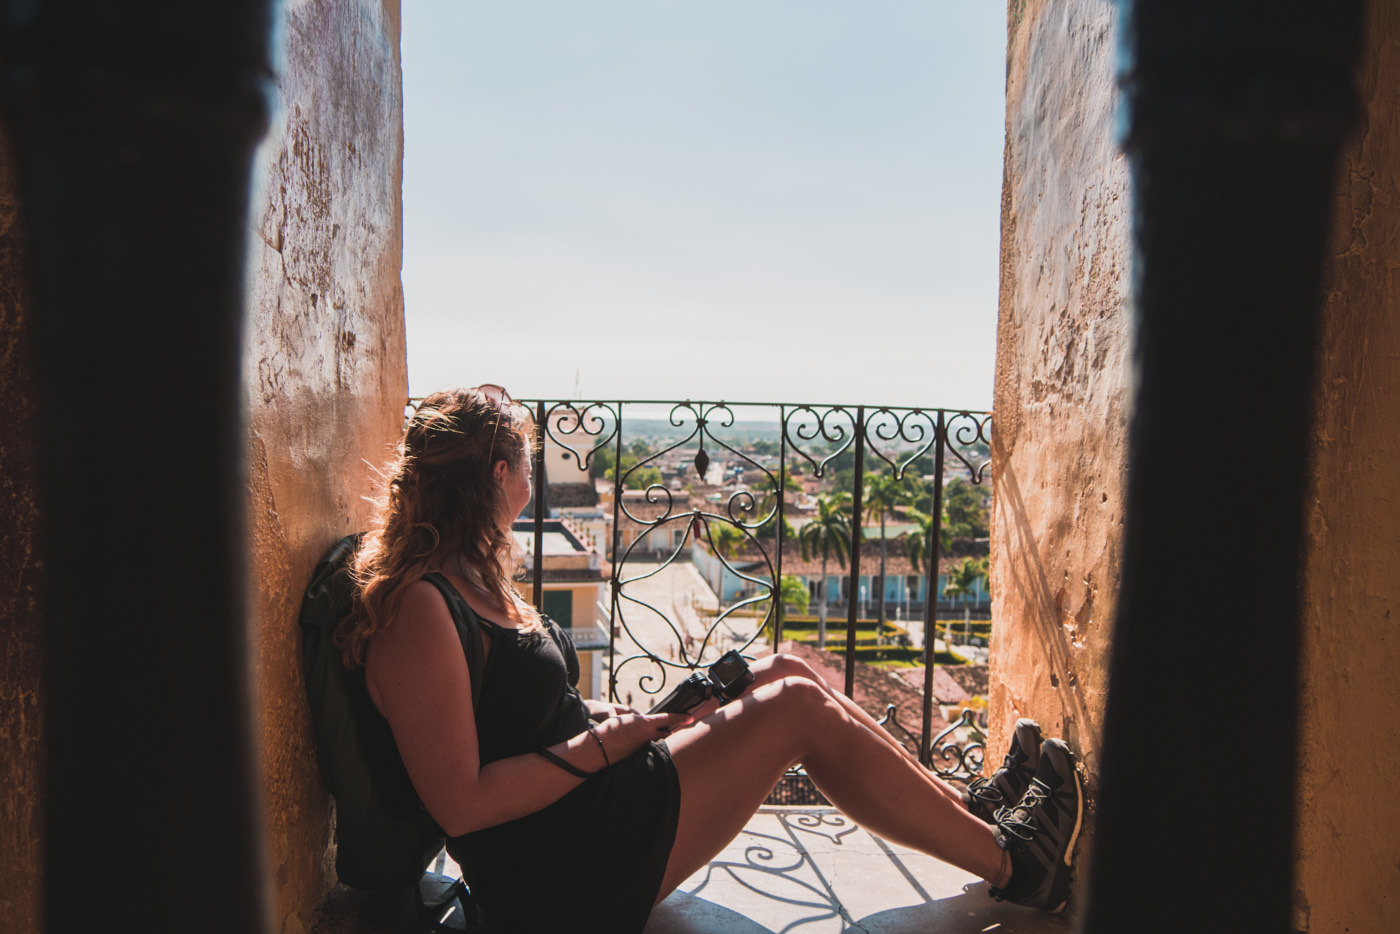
(742,528)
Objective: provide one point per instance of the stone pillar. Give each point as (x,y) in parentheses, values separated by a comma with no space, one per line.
(325,376)
(131,127)
(1348,875)
(1234,116)
(1062,380)
(195,406)
(21,579)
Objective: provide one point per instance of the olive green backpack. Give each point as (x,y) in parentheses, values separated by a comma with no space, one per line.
(385,838)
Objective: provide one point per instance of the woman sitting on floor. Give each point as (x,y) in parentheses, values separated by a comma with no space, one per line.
(535,776)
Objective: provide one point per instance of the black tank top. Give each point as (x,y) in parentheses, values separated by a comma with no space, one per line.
(531,701)
(525,872)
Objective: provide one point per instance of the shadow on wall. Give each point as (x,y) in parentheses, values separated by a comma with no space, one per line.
(1033,643)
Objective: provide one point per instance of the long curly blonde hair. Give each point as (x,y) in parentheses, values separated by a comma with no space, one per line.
(441,508)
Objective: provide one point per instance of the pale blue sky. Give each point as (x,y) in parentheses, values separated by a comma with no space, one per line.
(768,200)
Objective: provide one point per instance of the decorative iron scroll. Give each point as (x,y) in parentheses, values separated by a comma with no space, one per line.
(586,420)
(965,429)
(913,427)
(961,762)
(734,530)
(885,427)
(950,760)
(834,424)
(744,512)
(687,652)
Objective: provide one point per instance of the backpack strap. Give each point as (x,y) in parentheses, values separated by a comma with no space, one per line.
(468,630)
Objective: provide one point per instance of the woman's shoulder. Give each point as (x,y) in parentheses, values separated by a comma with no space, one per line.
(422,605)
(428,587)
(417,654)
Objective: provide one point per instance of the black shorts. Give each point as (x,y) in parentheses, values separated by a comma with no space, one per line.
(591,861)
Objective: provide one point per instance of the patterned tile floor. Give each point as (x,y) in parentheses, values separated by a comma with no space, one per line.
(811,871)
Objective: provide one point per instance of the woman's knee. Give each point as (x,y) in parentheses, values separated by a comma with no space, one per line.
(782,665)
(787,719)
(801,697)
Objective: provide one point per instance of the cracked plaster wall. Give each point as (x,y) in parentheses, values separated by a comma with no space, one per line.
(1349,862)
(325,375)
(1062,379)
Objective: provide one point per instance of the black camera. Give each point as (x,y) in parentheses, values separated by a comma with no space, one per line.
(726,678)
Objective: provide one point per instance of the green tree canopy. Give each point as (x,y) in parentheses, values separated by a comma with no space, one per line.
(965,508)
(794,593)
(725,538)
(604,459)
(962,580)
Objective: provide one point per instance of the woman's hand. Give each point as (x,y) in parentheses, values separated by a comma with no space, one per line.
(624,733)
(601,710)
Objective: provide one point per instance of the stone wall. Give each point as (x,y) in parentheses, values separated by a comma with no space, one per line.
(21,584)
(326,374)
(1348,872)
(1061,395)
(1062,378)
(326,378)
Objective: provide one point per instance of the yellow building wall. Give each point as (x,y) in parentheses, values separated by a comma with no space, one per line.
(1349,853)
(583,598)
(586,604)
(590,684)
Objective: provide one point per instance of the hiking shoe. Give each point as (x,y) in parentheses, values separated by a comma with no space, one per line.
(985,795)
(1040,830)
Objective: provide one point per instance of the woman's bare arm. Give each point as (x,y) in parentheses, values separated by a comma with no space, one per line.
(418,678)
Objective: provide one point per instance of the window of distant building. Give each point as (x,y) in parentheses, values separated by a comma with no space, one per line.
(559,606)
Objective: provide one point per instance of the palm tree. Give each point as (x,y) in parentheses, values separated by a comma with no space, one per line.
(882,494)
(828,534)
(962,581)
(769,503)
(724,537)
(916,543)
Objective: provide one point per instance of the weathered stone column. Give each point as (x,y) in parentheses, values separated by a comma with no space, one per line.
(21,578)
(133,126)
(325,375)
(1348,873)
(1235,115)
(1062,381)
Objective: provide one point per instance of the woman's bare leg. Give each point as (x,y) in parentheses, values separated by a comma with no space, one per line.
(729,761)
(781,666)
(772,668)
